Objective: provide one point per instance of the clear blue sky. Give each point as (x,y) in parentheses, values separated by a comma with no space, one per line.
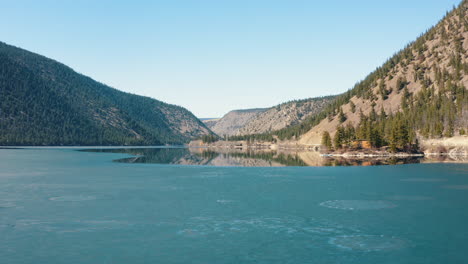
(214,56)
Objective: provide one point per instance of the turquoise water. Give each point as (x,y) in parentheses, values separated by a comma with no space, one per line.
(67,206)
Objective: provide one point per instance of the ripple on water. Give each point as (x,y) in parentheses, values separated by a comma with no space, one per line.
(72,198)
(6,205)
(368,243)
(171,188)
(358,204)
(90,225)
(282,251)
(409,198)
(210,174)
(69,226)
(317,177)
(20,174)
(456,187)
(268,175)
(288,225)
(423,180)
(304,177)
(224,201)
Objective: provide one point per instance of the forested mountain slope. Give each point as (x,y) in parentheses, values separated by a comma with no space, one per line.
(44,102)
(419,93)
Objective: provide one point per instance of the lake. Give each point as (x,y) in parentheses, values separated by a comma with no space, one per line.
(61,205)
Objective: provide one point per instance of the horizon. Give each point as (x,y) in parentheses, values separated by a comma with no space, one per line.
(269,54)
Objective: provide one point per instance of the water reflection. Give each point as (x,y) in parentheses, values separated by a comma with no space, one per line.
(246,158)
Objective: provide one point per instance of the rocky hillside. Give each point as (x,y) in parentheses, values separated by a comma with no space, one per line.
(44,102)
(284,115)
(255,121)
(419,93)
(232,122)
(210,122)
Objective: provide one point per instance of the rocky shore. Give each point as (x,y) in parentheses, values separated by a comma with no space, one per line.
(453,147)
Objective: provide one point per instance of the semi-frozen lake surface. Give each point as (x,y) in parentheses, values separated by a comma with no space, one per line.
(68,206)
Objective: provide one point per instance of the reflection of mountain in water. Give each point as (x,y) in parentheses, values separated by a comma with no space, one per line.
(160,156)
(246,158)
(253,159)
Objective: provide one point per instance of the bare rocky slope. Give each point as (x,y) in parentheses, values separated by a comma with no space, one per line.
(210,122)
(284,115)
(416,101)
(256,121)
(232,122)
(433,68)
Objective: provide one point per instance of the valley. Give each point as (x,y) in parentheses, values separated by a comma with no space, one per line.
(417,101)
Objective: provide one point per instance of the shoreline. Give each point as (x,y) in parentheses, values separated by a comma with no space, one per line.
(426,150)
(364,155)
(280,148)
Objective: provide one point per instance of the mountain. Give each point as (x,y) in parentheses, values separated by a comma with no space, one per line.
(284,115)
(419,94)
(209,122)
(231,122)
(238,123)
(44,102)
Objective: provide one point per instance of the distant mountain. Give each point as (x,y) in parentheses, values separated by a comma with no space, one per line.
(265,120)
(232,122)
(209,122)
(44,102)
(284,115)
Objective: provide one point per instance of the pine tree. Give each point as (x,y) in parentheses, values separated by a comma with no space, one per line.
(350,134)
(326,140)
(382,90)
(401,83)
(341,116)
(373,115)
(338,138)
(353,106)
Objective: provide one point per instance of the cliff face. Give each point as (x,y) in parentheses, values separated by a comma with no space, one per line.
(426,82)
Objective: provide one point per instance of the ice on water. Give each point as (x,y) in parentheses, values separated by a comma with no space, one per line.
(73,198)
(368,242)
(358,204)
